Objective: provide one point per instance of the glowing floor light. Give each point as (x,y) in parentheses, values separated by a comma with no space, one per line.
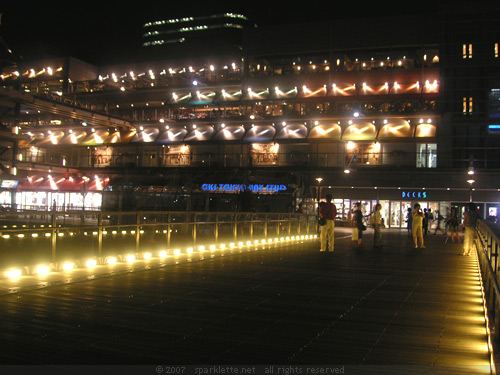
(130,258)
(112,260)
(13,273)
(91,263)
(163,254)
(68,266)
(42,270)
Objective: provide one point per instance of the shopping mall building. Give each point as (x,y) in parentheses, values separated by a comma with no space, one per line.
(395,111)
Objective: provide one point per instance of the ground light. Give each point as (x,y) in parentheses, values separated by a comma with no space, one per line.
(91,263)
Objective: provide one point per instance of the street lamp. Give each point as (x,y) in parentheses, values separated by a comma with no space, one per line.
(470,181)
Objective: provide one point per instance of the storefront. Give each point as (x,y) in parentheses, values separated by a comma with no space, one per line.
(62,194)
(397,201)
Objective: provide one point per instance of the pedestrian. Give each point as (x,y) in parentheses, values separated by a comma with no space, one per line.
(360,225)
(328,211)
(439,219)
(377,226)
(470,219)
(409,221)
(425,224)
(417,226)
(453,224)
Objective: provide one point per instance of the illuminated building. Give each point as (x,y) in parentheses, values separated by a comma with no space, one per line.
(386,100)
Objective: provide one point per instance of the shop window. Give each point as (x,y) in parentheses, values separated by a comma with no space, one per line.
(366,153)
(495,50)
(177,155)
(427,155)
(264,154)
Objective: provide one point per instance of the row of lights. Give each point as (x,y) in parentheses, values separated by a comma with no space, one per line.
(91,263)
(428,85)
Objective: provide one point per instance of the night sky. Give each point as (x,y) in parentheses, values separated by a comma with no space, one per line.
(99,31)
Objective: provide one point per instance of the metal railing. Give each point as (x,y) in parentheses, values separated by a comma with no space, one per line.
(487,244)
(34,237)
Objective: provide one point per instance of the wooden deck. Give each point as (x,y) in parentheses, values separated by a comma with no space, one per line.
(282,305)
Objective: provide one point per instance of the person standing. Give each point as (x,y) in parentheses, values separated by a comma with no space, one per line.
(409,221)
(360,225)
(439,219)
(377,226)
(328,211)
(425,224)
(452,224)
(417,226)
(470,219)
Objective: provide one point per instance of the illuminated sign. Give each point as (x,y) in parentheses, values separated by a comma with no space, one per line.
(9,184)
(237,188)
(414,194)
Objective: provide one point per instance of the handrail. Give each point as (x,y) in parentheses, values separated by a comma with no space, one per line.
(487,246)
(56,235)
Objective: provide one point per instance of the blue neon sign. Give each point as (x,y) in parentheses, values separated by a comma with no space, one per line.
(414,194)
(237,188)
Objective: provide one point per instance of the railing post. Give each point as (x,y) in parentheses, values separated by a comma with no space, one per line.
(195,229)
(169,219)
(137,232)
(251,226)
(235,229)
(99,234)
(265,226)
(216,230)
(53,239)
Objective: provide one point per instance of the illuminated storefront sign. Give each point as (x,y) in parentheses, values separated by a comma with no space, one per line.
(414,194)
(237,188)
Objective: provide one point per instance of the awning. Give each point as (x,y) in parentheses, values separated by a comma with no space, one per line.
(229,96)
(425,131)
(326,132)
(202,97)
(230,133)
(172,135)
(307,92)
(292,132)
(396,130)
(287,93)
(360,131)
(74,138)
(97,137)
(260,133)
(256,94)
(63,184)
(200,133)
(147,135)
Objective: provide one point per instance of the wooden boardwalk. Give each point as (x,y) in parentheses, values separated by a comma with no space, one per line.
(420,308)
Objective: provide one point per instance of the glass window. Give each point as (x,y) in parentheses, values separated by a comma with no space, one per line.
(427,155)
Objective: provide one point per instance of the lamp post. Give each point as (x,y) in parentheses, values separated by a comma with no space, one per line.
(471,181)
(471,172)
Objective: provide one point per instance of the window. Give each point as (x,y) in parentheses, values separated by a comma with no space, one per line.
(467,51)
(427,155)
(467,105)
(495,49)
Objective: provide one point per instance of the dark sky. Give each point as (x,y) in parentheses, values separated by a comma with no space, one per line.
(97,31)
